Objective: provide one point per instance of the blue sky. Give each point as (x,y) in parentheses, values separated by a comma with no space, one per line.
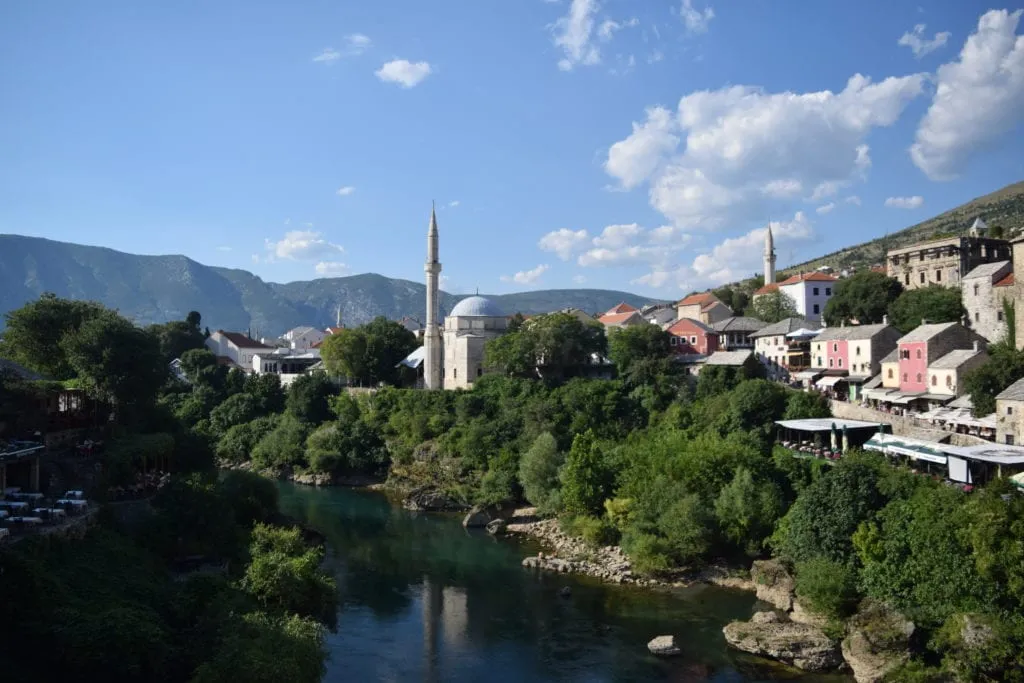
(630,144)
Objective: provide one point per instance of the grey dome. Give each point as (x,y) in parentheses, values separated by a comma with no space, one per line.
(476,307)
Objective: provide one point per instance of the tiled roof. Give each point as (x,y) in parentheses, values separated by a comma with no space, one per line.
(892,357)
(708,306)
(701,299)
(850,332)
(1014,392)
(954,359)
(878,269)
(334,330)
(1005,282)
(242,341)
(618,318)
(786,326)
(767,289)
(987,270)
(808,277)
(696,323)
(925,332)
(739,324)
(621,308)
(729,357)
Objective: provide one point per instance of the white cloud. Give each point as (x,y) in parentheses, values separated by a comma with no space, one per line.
(327,56)
(453,203)
(696,20)
(301,245)
(978,98)
(224,248)
(743,148)
(919,43)
(345,191)
(825,208)
(630,244)
(331,269)
(733,259)
(609,27)
(853,199)
(357,43)
(579,279)
(403,72)
(904,202)
(573,32)
(563,242)
(526,277)
(617,236)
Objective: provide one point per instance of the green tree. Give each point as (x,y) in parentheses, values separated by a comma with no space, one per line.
(258,648)
(286,577)
(864,297)
(934,303)
(773,307)
(747,511)
(827,587)
(202,370)
(538,473)
(755,406)
(178,336)
(239,441)
(235,410)
(369,354)
(1004,367)
(33,333)
(806,404)
(252,498)
(346,448)
(637,343)
(555,345)
(308,398)
(587,481)
(266,388)
(285,446)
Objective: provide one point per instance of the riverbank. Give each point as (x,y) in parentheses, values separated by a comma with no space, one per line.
(308,478)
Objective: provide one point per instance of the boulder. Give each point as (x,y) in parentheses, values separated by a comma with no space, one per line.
(802,615)
(663,646)
(477,518)
(805,647)
(775,585)
(565,592)
(428,500)
(311,479)
(877,641)
(766,618)
(496,527)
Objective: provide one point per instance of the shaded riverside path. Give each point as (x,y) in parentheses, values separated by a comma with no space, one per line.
(422,599)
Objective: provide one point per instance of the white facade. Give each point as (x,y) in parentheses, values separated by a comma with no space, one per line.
(285,363)
(239,348)
(432,377)
(474,321)
(302,338)
(810,293)
(769,257)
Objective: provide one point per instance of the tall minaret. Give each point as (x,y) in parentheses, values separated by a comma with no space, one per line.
(769,257)
(432,334)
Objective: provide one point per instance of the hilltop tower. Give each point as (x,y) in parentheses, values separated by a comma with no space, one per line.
(432,333)
(769,257)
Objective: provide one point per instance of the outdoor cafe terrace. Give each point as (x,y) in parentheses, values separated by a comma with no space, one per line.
(827,437)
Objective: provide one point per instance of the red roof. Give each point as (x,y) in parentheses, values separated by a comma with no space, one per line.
(767,289)
(1005,282)
(689,324)
(334,330)
(242,341)
(701,299)
(878,269)
(616,318)
(809,277)
(621,308)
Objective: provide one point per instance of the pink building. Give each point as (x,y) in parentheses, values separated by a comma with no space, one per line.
(691,337)
(921,347)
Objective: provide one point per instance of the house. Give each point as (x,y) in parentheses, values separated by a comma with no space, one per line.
(581,315)
(733,359)
(981,298)
(923,346)
(736,332)
(288,364)
(785,345)
(945,376)
(178,372)
(303,338)
(947,260)
(1010,414)
(235,348)
(891,370)
(705,307)
(810,292)
(659,314)
(622,319)
(689,337)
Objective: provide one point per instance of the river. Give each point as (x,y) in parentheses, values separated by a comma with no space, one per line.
(423,599)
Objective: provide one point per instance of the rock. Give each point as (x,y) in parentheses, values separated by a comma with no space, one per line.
(802,615)
(496,527)
(663,646)
(877,641)
(565,592)
(428,500)
(310,479)
(477,518)
(805,647)
(766,618)
(774,583)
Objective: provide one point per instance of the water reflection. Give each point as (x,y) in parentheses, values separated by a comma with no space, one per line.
(422,599)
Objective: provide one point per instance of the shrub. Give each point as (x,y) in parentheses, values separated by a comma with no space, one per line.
(827,587)
(538,473)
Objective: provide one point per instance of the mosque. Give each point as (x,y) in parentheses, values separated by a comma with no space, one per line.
(452,355)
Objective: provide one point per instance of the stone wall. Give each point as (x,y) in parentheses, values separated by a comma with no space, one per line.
(902,425)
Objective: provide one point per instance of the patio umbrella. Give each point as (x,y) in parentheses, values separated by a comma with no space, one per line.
(835,437)
(846,440)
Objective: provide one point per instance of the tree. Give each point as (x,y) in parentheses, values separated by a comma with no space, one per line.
(239,441)
(773,307)
(266,388)
(747,510)
(285,446)
(587,481)
(286,577)
(827,587)
(864,297)
(755,406)
(308,398)
(33,333)
(934,303)
(1004,367)
(629,345)
(258,648)
(370,353)
(235,410)
(202,370)
(346,448)
(806,404)
(252,497)
(178,336)
(555,345)
(538,473)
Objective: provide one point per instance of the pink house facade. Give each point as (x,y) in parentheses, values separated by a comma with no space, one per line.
(913,366)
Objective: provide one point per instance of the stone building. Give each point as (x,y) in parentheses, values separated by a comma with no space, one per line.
(1010,414)
(705,307)
(472,323)
(737,332)
(978,291)
(945,376)
(945,261)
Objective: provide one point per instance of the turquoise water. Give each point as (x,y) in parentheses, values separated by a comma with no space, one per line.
(422,599)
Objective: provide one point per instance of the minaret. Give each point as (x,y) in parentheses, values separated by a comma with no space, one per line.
(769,257)
(432,334)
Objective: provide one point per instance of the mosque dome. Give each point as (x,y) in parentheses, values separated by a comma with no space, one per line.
(476,307)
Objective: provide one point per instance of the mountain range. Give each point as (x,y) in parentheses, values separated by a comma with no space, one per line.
(151,289)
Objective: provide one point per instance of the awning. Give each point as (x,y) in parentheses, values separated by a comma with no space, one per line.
(829,381)
(879,394)
(918,454)
(807,374)
(939,398)
(901,399)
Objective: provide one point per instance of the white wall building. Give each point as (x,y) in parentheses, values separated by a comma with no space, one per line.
(235,346)
(472,323)
(302,338)
(810,291)
(286,363)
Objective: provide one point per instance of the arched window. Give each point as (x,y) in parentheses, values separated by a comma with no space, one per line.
(919,354)
(904,377)
(835,347)
(840,362)
(935,381)
(890,373)
(975,290)
(919,377)
(949,380)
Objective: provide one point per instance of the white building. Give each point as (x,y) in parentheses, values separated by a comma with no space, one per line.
(236,347)
(302,338)
(473,322)
(286,363)
(810,291)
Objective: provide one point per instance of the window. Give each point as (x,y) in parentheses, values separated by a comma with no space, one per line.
(815,291)
(1009,439)
(673,341)
(919,377)
(919,354)
(890,373)
(819,362)
(904,377)
(856,351)
(976,316)
(935,381)
(949,380)
(938,276)
(999,316)
(840,362)
(828,291)
(479,372)
(975,290)
(817,308)
(906,279)
(455,373)
(1009,410)
(835,346)
(922,277)
(693,340)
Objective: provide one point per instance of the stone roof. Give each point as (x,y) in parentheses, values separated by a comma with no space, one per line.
(954,359)
(767,289)
(613,319)
(786,326)
(926,332)
(851,332)
(696,323)
(734,358)
(987,270)
(242,341)
(738,323)
(891,357)
(1014,392)
(476,307)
